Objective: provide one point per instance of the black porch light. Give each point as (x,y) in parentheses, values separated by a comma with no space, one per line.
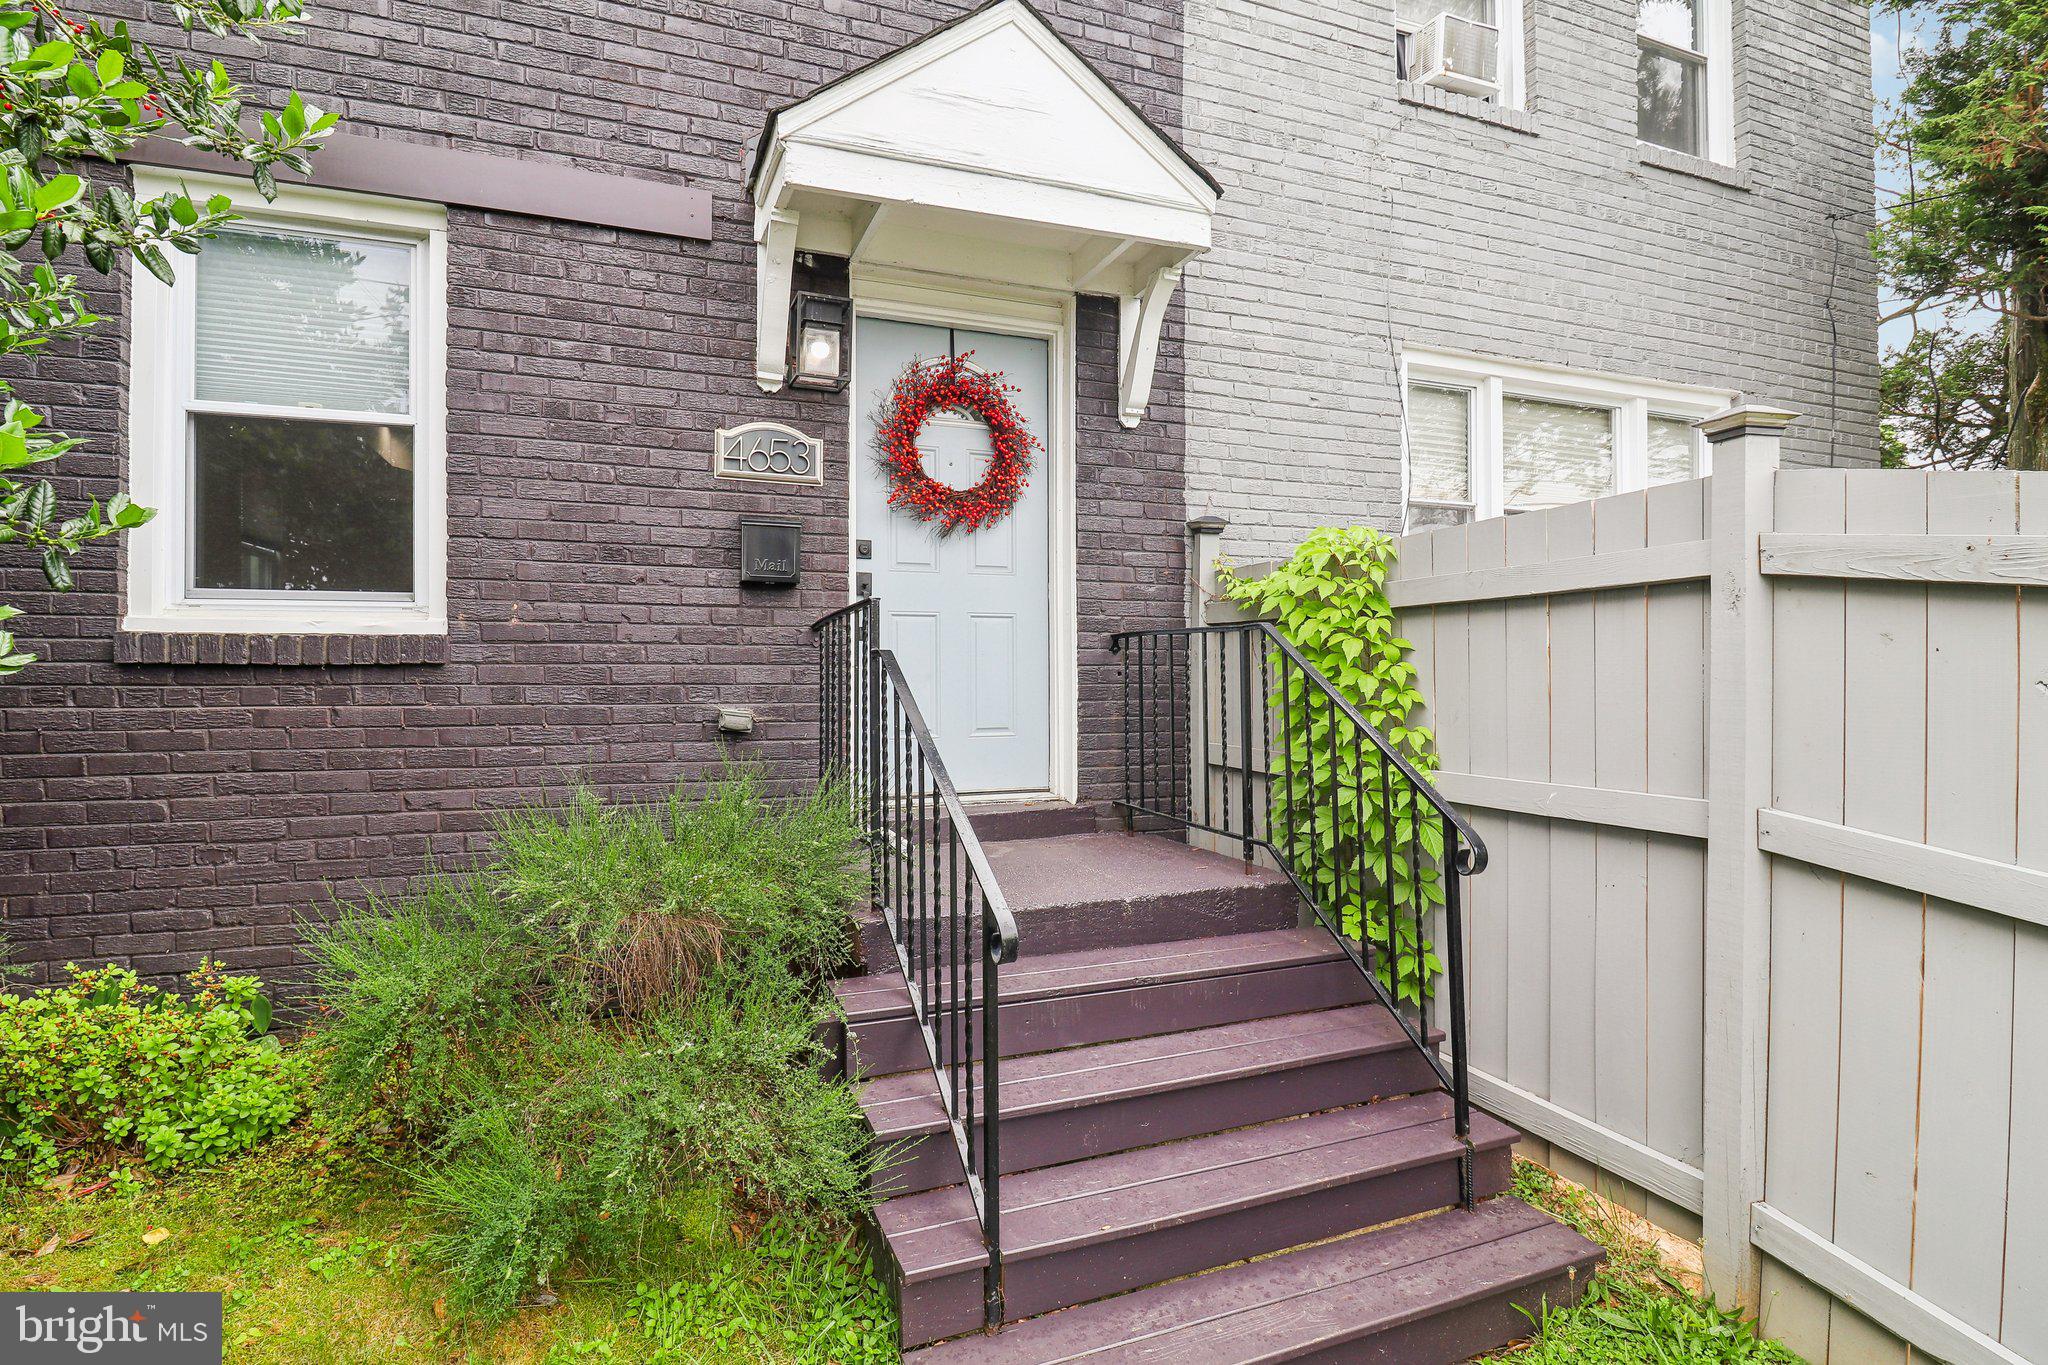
(818,350)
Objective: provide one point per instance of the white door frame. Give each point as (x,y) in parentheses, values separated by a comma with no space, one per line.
(944,301)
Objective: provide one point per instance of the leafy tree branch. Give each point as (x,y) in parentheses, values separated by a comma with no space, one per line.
(74,92)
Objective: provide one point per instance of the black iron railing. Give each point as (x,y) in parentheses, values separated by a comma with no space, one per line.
(1229,731)
(948,921)
(847,638)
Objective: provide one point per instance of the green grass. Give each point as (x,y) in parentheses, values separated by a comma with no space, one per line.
(315,1249)
(1637,1310)
(315,1252)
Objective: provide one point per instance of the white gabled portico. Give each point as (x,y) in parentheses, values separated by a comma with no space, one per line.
(989,150)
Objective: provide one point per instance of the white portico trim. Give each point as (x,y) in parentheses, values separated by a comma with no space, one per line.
(988,150)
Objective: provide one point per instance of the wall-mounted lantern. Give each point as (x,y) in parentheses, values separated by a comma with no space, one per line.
(818,342)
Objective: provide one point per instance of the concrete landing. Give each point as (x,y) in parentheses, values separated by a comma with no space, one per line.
(1074,892)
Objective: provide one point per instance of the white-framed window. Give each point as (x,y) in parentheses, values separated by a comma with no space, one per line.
(287,419)
(1471,47)
(1487,437)
(1684,86)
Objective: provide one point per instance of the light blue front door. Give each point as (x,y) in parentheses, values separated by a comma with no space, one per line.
(967,614)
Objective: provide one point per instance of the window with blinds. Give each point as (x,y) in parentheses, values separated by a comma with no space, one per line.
(1490,437)
(1439,445)
(1674,449)
(300,419)
(1554,453)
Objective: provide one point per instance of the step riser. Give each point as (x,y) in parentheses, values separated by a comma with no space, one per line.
(884,1046)
(1423,1291)
(995,826)
(1455,1334)
(1249,909)
(1117,1125)
(950,1306)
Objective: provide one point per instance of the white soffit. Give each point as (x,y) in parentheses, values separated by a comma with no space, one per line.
(990,150)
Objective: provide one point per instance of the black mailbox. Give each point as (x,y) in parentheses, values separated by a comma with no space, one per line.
(770,550)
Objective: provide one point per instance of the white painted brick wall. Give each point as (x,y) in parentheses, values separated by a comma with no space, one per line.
(1355,222)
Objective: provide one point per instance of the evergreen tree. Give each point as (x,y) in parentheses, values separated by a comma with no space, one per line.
(1965,251)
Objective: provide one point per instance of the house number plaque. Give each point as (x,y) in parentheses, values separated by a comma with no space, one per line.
(769,451)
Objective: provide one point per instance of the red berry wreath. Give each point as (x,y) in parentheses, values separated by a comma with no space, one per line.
(926,387)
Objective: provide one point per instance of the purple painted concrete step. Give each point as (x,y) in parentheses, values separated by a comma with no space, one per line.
(1426,1292)
(1105,994)
(1093,1228)
(1074,892)
(1035,820)
(1087,1101)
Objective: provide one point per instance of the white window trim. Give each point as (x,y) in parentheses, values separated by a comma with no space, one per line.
(159,599)
(1507,16)
(1512,92)
(1717,51)
(1491,381)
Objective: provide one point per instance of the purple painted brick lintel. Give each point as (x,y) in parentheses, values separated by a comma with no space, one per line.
(281,651)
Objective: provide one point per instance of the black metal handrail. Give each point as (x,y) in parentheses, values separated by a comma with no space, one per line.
(1325,795)
(846,638)
(930,879)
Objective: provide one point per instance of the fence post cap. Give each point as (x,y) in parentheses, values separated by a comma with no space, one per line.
(1747,419)
(1208,524)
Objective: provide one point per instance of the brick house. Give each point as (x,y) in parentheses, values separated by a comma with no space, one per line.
(454,450)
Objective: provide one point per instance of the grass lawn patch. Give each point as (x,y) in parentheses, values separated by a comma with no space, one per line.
(315,1251)
(569,1104)
(1644,1307)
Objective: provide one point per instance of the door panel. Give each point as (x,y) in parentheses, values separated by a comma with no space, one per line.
(969,615)
(995,674)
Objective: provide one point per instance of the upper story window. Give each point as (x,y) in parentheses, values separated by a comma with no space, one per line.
(287,423)
(1470,47)
(1682,76)
(1490,437)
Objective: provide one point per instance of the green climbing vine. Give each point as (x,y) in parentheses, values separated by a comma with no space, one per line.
(1330,600)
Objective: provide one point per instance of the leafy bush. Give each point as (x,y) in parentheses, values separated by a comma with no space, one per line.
(1330,600)
(103,1069)
(620,1009)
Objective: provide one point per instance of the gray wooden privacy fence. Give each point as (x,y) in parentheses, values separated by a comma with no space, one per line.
(1762,761)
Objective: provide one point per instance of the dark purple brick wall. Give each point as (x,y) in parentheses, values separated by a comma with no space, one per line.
(154,813)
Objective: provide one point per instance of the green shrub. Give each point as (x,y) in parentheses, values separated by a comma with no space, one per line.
(103,1070)
(408,986)
(621,1008)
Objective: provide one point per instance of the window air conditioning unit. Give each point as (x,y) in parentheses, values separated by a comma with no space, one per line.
(1456,54)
